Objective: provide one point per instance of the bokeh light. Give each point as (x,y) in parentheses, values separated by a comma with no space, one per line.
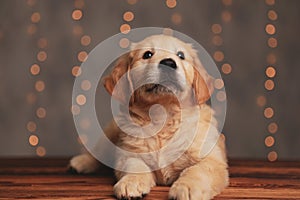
(270,29)
(35,69)
(81,99)
(217,40)
(82,56)
(261,100)
(227,2)
(41,112)
(35,17)
(128,16)
(218,56)
(33,140)
(221,96)
(86,85)
(124,43)
(176,18)
(79,4)
(76,71)
(226,16)
(131,2)
(216,28)
(226,68)
(125,28)
(31,126)
(272,156)
(31,29)
(171,3)
(40,86)
(77,14)
(85,40)
(219,84)
(272,127)
(75,110)
(269,112)
(41,56)
(272,15)
(270,72)
(269,84)
(272,42)
(269,141)
(42,43)
(41,151)
(270,2)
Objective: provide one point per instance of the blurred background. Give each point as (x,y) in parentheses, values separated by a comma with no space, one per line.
(255,45)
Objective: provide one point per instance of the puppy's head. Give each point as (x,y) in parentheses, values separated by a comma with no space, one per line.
(160,69)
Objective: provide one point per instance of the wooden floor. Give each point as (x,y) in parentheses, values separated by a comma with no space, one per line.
(48,179)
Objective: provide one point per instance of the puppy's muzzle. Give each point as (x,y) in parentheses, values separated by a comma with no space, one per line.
(168,62)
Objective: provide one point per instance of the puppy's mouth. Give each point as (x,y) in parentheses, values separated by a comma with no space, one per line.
(156,88)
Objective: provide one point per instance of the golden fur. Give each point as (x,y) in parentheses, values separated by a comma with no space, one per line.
(191,176)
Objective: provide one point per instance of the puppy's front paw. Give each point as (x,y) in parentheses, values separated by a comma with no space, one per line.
(188,190)
(84,163)
(133,186)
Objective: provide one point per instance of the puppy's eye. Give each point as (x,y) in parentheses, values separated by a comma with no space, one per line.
(147,55)
(180,54)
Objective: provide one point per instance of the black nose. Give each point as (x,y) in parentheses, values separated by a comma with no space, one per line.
(168,62)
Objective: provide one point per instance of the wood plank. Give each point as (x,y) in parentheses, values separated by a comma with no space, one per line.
(48,179)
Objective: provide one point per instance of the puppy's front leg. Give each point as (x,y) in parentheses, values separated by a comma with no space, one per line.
(200,182)
(131,184)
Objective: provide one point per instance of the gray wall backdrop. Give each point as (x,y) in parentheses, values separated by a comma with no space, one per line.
(244,46)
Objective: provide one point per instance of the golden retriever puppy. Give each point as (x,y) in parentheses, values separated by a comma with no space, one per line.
(195,171)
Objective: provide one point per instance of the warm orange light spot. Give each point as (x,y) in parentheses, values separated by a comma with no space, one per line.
(75,110)
(81,99)
(272,127)
(35,69)
(271,59)
(31,2)
(219,56)
(131,2)
(270,2)
(217,40)
(270,29)
(219,84)
(272,15)
(31,29)
(42,56)
(85,124)
(33,140)
(40,86)
(41,112)
(86,85)
(227,2)
(272,42)
(221,96)
(31,126)
(79,4)
(176,18)
(270,72)
(82,56)
(76,71)
(269,84)
(269,141)
(41,151)
(226,68)
(272,156)
(261,101)
(168,31)
(226,16)
(42,43)
(124,43)
(171,3)
(216,28)
(125,28)
(85,40)
(77,15)
(269,112)
(35,17)
(128,16)
(77,30)
(31,98)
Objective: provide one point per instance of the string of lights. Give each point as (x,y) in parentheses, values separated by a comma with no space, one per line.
(35,71)
(270,73)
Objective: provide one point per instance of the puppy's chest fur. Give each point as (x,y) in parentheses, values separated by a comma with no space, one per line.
(178,135)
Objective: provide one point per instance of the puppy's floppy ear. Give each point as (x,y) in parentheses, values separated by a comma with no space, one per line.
(123,90)
(202,82)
